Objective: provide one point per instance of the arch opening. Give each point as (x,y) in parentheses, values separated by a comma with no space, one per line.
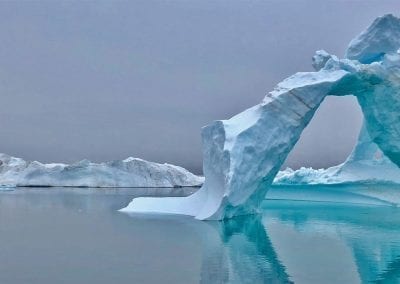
(330,136)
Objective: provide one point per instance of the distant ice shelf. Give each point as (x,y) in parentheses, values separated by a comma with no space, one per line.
(131,172)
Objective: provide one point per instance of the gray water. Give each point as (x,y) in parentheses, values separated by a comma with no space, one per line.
(78,236)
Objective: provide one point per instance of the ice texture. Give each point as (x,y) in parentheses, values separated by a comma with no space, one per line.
(380,38)
(243,155)
(131,172)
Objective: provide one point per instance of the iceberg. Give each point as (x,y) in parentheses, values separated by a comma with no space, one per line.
(131,172)
(242,155)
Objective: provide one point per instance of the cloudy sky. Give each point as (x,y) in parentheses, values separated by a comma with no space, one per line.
(105,80)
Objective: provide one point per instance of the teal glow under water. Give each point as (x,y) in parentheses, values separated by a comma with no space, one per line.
(77,236)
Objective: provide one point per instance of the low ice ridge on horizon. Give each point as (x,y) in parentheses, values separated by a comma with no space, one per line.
(131,172)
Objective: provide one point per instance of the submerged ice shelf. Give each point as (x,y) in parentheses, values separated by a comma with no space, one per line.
(242,155)
(131,172)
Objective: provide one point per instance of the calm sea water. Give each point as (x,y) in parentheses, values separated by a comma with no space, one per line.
(78,236)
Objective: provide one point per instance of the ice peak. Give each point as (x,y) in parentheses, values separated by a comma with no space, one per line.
(319,59)
(381,37)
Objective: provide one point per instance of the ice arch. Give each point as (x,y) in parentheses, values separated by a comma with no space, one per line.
(242,155)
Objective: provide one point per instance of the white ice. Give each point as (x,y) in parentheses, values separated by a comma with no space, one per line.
(131,172)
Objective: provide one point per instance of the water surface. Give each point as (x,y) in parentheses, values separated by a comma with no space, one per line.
(78,236)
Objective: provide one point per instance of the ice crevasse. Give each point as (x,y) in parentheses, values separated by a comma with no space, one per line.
(242,155)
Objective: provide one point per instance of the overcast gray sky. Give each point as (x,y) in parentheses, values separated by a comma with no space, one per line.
(105,80)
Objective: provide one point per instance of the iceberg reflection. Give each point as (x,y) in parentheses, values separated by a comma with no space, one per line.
(303,242)
(322,242)
(239,251)
(292,241)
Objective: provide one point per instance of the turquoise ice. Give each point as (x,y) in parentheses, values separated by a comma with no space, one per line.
(242,155)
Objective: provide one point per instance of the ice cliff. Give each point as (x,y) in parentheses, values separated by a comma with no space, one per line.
(243,155)
(131,172)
